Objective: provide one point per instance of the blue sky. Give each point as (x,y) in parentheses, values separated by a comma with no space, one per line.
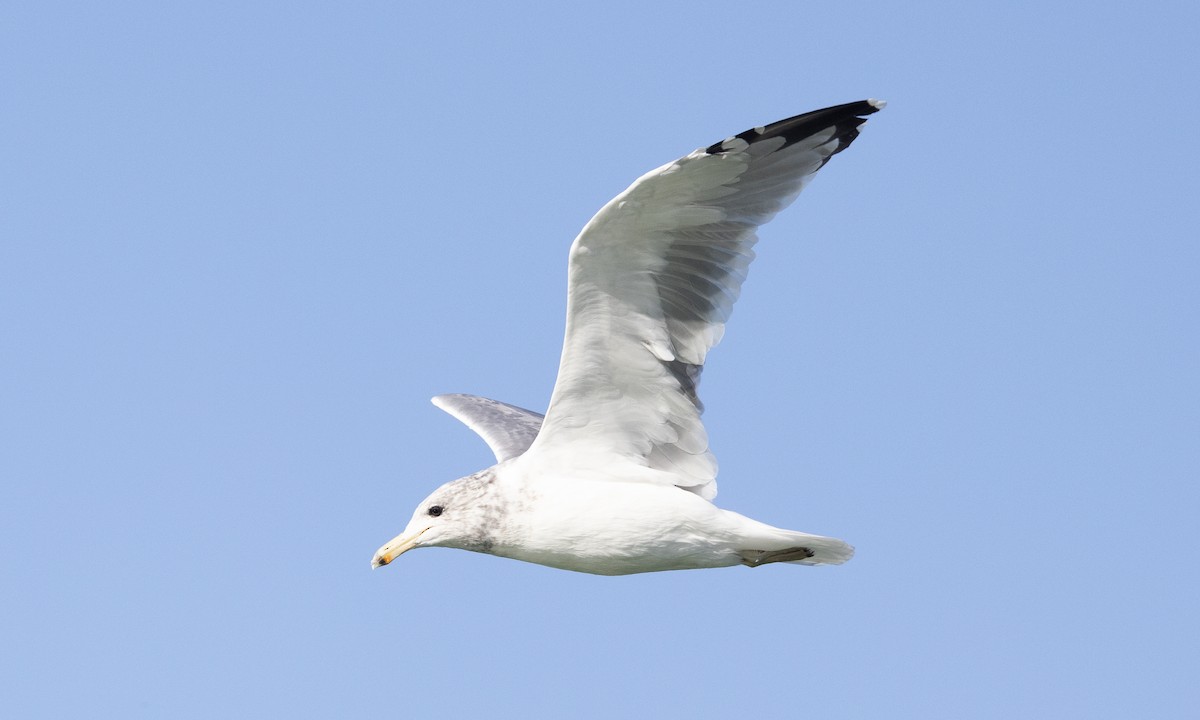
(241,244)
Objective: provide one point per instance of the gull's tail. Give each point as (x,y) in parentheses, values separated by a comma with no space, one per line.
(800,549)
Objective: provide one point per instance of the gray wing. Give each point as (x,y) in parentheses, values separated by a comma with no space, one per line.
(507,429)
(652,280)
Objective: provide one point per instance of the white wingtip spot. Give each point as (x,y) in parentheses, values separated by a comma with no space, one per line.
(877,104)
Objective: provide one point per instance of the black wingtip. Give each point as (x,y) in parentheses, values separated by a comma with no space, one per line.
(845,118)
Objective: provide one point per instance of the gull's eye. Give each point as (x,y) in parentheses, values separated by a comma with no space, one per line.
(436,510)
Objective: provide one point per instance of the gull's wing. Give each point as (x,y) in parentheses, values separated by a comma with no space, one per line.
(507,429)
(652,280)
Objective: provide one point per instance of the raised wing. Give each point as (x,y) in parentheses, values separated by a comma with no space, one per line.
(652,280)
(507,429)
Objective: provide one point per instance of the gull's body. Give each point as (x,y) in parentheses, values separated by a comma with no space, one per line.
(617,478)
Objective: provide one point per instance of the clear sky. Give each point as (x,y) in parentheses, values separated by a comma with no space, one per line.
(241,245)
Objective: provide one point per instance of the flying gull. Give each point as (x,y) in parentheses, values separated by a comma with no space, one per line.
(617,477)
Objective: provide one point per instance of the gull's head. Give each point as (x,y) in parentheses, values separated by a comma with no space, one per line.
(450,517)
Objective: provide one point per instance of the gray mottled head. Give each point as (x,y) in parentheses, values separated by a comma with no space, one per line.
(464,513)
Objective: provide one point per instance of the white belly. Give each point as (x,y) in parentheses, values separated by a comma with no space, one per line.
(617,528)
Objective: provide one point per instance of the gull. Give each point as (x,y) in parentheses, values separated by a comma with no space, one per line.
(617,476)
